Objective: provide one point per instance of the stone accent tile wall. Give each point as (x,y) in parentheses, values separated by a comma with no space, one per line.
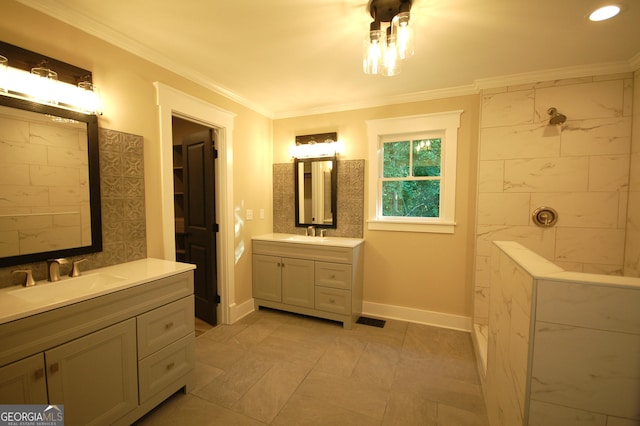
(123,208)
(350,220)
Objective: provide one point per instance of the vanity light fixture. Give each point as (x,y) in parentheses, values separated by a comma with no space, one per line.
(389,40)
(605,12)
(317,145)
(41,85)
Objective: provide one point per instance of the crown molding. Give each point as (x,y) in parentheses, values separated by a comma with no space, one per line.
(425,95)
(554,74)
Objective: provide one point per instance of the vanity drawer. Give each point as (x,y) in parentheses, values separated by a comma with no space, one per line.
(335,275)
(160,369)
(164,325)
(333,300)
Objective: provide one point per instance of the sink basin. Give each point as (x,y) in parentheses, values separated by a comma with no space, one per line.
(66,288)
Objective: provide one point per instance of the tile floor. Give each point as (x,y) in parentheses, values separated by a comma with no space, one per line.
(276,368)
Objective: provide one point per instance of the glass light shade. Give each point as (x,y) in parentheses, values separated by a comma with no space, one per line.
(404,35)
(392,62)
(373,53)
(88,98)
(46,89)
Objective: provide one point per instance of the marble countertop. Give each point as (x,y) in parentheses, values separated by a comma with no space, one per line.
(303,239)
(18,302)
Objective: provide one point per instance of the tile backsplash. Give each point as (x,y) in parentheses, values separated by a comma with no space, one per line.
(123,208)
(350,220)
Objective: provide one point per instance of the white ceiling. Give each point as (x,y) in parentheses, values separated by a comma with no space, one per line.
(294,57)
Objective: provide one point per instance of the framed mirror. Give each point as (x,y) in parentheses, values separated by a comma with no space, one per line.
(316,192)
(50,183)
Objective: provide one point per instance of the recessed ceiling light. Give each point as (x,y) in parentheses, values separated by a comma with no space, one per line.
(603,13)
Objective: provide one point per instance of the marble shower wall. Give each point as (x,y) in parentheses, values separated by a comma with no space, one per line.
(123,208)
(632,246)
(581,169)
(350,220)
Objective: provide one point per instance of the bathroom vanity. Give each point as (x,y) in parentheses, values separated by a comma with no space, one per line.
(109,345)
(316,276)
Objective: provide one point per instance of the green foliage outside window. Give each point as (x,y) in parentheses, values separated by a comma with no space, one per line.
(411,178)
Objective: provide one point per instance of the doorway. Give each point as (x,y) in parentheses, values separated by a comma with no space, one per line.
(196,224)
(172,102)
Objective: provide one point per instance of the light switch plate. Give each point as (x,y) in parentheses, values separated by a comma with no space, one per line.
(249,214)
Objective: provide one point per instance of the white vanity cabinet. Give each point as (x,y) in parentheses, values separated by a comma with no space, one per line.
(23,382)
(95,376)
(108,359)
(321,278)
(284,279)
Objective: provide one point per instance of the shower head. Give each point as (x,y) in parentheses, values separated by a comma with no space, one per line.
(555,116)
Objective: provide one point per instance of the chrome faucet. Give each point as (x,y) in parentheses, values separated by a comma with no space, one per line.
(311,231)
(53,268)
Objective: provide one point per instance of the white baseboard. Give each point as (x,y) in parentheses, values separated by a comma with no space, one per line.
(237,312)
(438,319)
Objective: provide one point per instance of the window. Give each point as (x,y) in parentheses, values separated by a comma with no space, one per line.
(413,176)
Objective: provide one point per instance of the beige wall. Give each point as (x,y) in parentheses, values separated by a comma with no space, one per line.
(129,99)
(430,272)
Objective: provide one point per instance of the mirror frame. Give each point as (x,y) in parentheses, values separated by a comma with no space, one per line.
(94,182)
(334,191)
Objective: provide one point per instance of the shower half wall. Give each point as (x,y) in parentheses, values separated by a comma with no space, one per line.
(563,346)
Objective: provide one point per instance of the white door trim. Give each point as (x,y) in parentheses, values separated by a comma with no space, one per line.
(174,102)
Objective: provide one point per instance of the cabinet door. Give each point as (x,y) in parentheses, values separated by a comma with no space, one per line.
(95,376)
(297,282)
(266,278)
(23,382)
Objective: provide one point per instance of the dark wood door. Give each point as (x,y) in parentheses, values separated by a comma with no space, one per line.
(198,151)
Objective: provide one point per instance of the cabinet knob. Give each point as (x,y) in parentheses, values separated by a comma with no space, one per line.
(332,300)
(332,276)
(53,368)
(168,325)
(171,365)
(39,374)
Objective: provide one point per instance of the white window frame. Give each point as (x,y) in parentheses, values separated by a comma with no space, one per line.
(447,123)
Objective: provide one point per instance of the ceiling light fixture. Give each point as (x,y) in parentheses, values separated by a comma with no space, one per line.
(389,40)
(603,13)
